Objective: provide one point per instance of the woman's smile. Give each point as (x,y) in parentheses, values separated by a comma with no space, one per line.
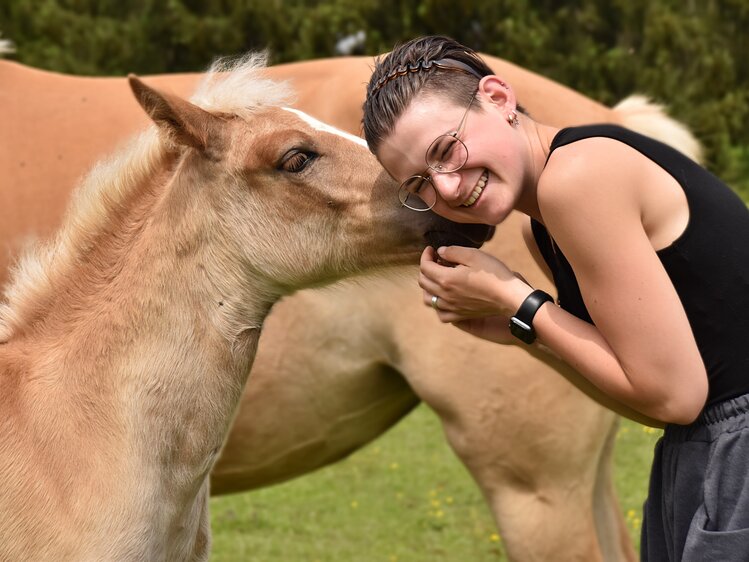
(477,190)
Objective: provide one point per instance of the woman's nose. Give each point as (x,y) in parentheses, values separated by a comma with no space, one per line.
(447,185)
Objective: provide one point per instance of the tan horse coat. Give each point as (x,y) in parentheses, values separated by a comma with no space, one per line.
(126,342)
(539,450)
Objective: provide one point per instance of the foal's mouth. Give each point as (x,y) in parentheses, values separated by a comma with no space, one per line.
(468,235)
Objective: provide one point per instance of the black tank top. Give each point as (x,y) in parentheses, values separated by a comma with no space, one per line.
(708,264)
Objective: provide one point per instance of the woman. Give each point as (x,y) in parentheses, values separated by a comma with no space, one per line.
(648,254)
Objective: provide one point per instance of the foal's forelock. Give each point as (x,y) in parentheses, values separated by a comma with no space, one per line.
(237,85)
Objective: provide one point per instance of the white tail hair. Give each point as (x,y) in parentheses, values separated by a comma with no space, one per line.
(641,114)
(6,46)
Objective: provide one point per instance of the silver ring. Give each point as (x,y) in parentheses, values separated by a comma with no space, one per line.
(435,306)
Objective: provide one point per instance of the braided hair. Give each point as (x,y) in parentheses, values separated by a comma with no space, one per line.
(425,65)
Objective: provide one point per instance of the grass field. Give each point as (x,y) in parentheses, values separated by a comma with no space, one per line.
(404,498)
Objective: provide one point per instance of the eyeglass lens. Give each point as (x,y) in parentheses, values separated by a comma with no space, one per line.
(447,153)
(417,193)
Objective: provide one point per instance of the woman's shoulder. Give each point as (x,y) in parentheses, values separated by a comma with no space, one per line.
(575,173)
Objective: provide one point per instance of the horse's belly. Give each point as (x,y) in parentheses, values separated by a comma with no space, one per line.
(317,392)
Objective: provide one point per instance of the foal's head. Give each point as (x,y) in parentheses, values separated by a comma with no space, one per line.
(299,203)
(233,191)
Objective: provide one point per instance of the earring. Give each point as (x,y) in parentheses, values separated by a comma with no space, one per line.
(512,119)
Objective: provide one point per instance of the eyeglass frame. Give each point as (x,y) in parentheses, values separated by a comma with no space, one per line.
(428,178)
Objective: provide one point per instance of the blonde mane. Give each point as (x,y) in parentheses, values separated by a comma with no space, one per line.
(232,86)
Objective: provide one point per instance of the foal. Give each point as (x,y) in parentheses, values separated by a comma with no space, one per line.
(125,344)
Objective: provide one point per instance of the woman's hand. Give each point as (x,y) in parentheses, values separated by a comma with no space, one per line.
(478,295)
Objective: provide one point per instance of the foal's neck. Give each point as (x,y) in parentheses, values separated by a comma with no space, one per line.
(118,392)
(153,328)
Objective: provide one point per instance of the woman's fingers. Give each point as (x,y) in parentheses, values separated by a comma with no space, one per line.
(437,302)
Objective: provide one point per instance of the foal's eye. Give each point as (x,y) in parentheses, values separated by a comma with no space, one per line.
(296,160)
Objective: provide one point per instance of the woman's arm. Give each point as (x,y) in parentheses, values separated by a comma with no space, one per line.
(641,351)
(545,355)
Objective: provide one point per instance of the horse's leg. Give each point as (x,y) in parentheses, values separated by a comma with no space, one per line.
(552,506)
(616,542)
(538,448)
(534,445)
(202,546)
(550,487)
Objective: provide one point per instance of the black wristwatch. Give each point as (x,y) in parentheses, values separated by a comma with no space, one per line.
(521,325)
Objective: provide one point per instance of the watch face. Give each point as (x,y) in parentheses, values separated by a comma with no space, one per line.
(522,331)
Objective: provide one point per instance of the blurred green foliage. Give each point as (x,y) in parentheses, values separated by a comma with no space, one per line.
(688,54)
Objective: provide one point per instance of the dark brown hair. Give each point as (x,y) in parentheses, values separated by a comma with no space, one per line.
(410,70)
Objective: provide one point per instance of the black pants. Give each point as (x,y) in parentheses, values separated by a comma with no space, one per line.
(698,502)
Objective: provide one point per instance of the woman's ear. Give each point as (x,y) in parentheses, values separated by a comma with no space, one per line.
(498,92)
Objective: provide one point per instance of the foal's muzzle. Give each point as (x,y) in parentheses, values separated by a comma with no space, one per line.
(447,233)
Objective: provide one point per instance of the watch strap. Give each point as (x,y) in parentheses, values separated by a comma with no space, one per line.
(522,321)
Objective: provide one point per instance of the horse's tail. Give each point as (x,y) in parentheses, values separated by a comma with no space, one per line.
(641,114)
(6,46)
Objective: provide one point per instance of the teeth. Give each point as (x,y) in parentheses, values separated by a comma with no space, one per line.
(478,188)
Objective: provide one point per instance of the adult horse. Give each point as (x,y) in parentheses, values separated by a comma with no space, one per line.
(540,451)
(125,344)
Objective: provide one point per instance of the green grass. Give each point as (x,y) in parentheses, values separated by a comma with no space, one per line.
(404,498)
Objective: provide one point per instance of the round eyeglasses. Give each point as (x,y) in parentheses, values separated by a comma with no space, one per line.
(446,154)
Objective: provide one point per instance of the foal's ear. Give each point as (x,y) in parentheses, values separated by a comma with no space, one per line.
(185,122)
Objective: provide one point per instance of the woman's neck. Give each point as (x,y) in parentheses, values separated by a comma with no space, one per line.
(539,139)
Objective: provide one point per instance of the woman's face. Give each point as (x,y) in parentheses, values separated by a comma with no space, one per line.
(487,186)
